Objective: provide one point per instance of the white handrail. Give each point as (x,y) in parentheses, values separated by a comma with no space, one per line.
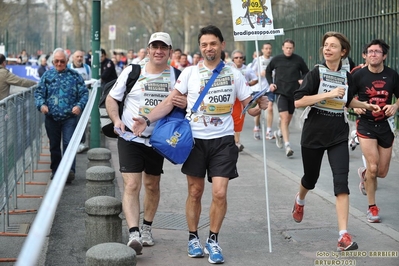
(34,242)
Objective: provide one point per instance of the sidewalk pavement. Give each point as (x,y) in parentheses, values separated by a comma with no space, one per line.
(244,234)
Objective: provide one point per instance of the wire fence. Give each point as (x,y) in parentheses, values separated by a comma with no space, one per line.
(20,144)
(360,20)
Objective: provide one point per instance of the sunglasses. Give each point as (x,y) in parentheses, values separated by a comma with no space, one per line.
(56,61)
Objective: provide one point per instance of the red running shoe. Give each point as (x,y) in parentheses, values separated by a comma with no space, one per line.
(297,211)
(372,215)
(345,243)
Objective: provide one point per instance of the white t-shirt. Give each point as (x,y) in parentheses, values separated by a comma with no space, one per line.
(84,71)
(263,84)
(213,118)
(147,92)
(248,73)
(137,60)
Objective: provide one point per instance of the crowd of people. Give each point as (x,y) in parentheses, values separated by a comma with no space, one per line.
(326,92)
(290,84)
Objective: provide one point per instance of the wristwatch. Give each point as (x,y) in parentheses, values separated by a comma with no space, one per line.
(146,120)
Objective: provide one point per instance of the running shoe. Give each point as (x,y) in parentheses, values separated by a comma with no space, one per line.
(297,211)
(279,140)
(195,249)
(256,134)
(135,242)
(288,151)
(372,215)
(361,172)
(345,243)
(71,177)
(214,251)
(82,147)
(240,146)
(269,136)
(146,235)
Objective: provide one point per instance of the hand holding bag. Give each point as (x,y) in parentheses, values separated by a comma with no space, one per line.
(172,136)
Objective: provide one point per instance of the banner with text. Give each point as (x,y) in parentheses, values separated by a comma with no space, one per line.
(253,20)
(24,71)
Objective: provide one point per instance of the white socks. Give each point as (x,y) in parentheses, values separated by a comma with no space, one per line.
(341,233)
(299,201)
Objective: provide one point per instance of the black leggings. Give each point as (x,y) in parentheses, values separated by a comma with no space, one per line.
(338,157)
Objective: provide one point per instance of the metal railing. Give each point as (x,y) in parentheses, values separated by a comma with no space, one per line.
(34,242)
(20,143)
(21,131)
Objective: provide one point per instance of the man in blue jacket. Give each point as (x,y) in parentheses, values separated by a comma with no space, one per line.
(61,96)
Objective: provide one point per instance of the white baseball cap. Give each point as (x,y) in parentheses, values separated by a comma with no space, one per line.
(162,37)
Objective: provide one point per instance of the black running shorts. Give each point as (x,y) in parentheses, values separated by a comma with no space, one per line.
(285,104)
(136,157)
(215,157)
(380,131)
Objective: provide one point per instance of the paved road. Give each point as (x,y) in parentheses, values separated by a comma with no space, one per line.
(244,235)
(387,196)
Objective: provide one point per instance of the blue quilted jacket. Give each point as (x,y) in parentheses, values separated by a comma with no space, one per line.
(61,91)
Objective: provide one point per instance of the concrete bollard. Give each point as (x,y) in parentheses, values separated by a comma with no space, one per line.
(103,223)
(108,254)
(99,156)
(100,181)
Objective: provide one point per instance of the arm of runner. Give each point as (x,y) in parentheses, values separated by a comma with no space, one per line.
(391,109)
(358,104)
(309,100)
(113,113)
(161,110)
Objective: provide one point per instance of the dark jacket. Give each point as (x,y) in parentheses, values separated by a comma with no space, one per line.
(42,69)
(288,70)
(108,71)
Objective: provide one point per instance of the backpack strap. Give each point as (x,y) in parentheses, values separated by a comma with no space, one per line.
(177,72)
(87,68)
(131,80)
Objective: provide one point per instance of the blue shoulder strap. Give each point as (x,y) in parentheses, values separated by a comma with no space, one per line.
(85,65)
(87,68)
(208,85)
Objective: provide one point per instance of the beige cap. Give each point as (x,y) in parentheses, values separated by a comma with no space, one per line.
(162,37)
